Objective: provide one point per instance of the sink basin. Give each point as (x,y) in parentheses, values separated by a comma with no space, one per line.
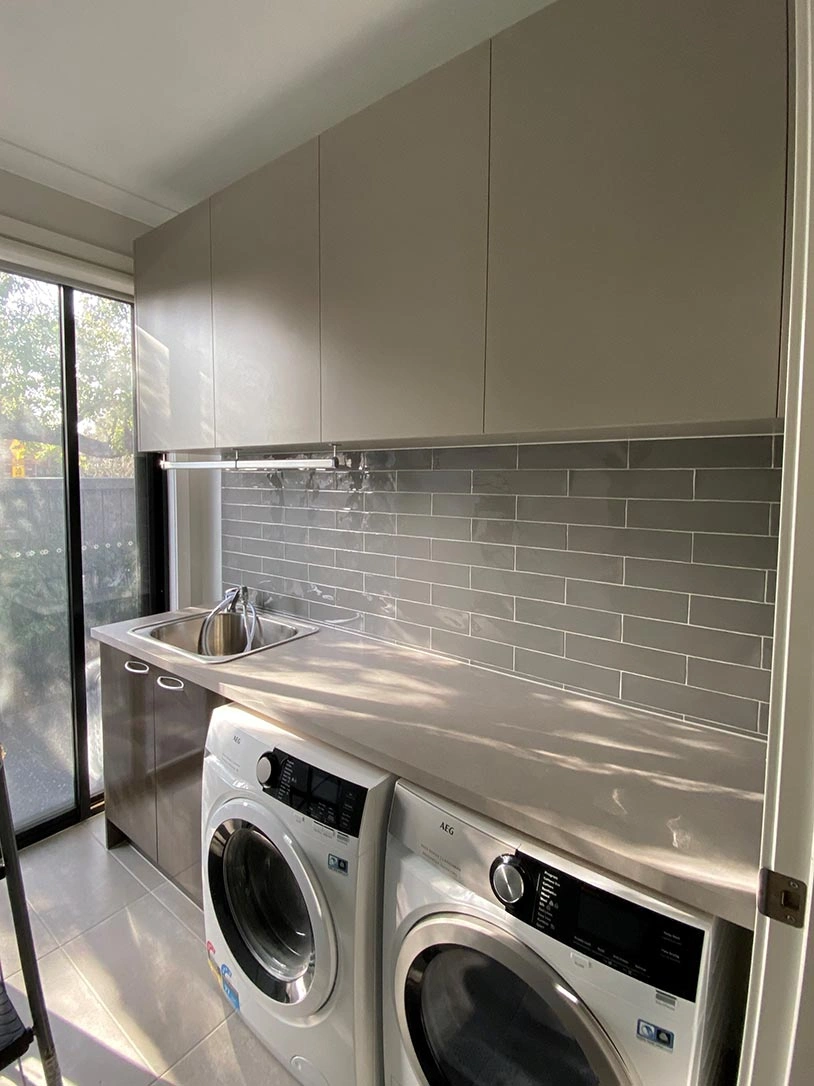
(226,636)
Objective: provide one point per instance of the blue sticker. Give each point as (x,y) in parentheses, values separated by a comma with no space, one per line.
(656,1035)
(337,863)
(231,994)
(226,971)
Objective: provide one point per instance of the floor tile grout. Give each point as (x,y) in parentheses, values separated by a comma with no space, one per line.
(181,921)
(158,1081)
(100,1000)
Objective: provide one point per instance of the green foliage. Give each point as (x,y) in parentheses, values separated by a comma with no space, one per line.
(30,375)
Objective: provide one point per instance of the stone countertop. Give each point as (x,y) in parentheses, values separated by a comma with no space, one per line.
(671,806)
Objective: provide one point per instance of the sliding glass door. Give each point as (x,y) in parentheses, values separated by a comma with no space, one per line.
(79,545)
(36,720)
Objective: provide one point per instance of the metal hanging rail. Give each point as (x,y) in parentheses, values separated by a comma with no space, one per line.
(303,463)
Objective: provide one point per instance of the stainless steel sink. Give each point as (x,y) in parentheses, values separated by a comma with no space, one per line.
(182,635)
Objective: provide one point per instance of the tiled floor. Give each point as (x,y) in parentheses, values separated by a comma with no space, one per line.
(129,991)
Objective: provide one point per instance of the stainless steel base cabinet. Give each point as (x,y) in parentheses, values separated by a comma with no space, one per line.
(154,729)
(182,712)
(129,748)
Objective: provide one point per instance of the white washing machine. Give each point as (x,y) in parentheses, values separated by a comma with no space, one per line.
(507,963)
(292,849)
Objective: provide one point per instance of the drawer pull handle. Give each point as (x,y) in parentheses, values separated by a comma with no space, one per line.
(136,667)
(168,682)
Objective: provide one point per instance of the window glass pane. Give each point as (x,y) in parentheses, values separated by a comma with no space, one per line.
(36,723)
(114,582)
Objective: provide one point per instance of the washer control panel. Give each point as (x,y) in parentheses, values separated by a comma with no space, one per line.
(322,796)
(647,945)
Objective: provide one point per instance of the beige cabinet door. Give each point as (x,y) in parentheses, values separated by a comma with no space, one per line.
(174,334)
(636,214)
(403,221)
(265,303)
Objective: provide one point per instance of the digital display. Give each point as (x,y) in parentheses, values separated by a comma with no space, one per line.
(609,922)
(658,950)
(330,800)
(324,788)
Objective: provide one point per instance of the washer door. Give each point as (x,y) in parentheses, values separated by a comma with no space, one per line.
(476,1007)
(269,907)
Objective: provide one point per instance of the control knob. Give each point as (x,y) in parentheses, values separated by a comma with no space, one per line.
(508,882)
(268,770)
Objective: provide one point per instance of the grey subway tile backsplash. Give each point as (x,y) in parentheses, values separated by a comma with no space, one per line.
(397,587)
(633,483)
(467,599)
(597,680)
(575,619)
(404,633)
(486,506)
(751,518)
(635,542)
(436,482)
(443,618)
(367,562)
(744,682)
(737,648)
(402,546)
(473,648)
(520,482)
(534,586)
(756,618)
(475,554)
(386,502)
(691,701)
(520,533)
(747,484)
(639,571)
(434,572)
(703,452)
(574,454)
(648,603)
(743,584)
(624,657)
(751,551)
(473,457)
(572,510)
(586,567)
(434,527)
(521,634)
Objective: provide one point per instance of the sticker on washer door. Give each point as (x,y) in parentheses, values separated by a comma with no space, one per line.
(655,1035)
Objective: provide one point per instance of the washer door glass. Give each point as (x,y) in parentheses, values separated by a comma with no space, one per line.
(481,1024)
(479,1008)
(267,904)
(265,916)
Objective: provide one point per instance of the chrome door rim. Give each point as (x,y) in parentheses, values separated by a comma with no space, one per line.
(302,995)
(472,933)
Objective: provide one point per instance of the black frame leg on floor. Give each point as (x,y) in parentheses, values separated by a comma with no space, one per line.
(25,939)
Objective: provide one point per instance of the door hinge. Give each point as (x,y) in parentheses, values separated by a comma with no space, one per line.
(782,898)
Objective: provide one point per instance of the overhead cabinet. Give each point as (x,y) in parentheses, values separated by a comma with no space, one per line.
(403,214)
(636,214)
(622,164)
(174,364)
(265,304)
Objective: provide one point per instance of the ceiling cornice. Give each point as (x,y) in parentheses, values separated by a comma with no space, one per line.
(46,171)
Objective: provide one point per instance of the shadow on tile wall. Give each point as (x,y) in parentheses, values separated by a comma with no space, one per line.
(639,571)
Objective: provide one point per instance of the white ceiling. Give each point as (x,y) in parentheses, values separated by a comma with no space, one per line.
(147,106)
